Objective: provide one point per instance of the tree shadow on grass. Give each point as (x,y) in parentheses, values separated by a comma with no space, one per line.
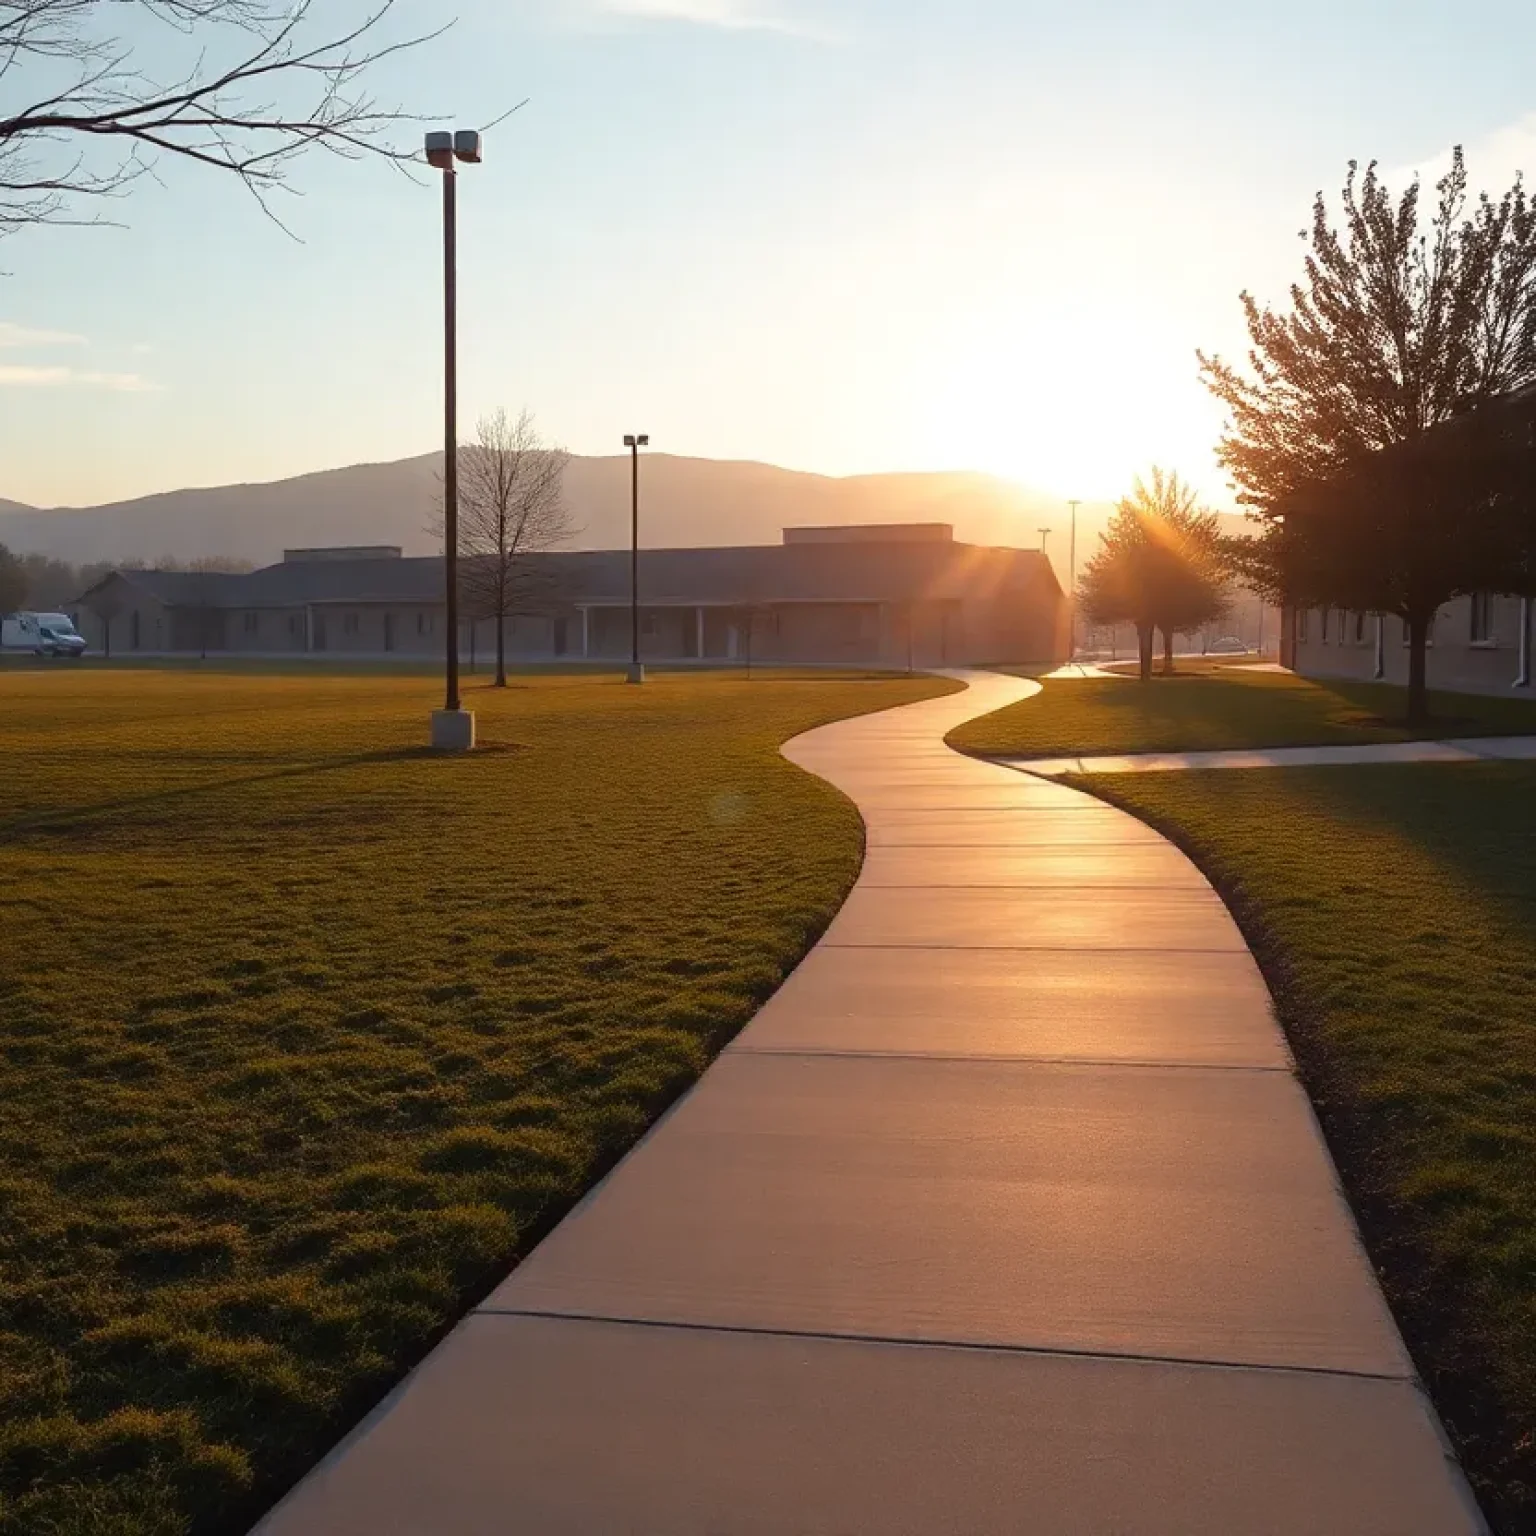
(74,818)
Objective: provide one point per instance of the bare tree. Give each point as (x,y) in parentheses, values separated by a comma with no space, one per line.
(257,86)
(511,507)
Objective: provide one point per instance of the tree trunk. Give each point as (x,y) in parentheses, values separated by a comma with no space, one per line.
(1144,638)
(1418,687)
(1167,653)
(501,650)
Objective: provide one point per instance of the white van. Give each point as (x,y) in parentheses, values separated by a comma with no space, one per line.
(43,634)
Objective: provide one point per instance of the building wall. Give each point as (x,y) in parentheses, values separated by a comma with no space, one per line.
(1025,627)
(264,631)
(1454,661)
(1009,613)
(138,621)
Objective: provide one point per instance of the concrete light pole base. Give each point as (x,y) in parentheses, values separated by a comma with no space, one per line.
(453,730)
(636,673)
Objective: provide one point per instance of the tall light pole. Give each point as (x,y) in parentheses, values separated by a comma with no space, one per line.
(453,728)
(1072,585)
(635,442)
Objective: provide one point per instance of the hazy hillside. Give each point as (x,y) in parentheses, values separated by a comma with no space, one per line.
(685,502)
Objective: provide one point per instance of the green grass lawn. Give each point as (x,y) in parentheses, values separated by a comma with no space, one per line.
(1394,912)
(306,1034)
(1208,709)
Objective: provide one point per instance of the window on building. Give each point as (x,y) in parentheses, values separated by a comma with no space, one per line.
(295,624)
(1360,629)
(249,623)
(1481,629)
(350,624)
(1302,615)
(648,624)
(133,629)
(423,623)
(1322,627)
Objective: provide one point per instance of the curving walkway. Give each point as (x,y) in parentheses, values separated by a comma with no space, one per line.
(1005,1215)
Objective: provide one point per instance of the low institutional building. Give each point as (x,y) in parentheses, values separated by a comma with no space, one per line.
(890,595)
(1479,644)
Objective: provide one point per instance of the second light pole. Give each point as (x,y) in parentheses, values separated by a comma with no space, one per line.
(635,442)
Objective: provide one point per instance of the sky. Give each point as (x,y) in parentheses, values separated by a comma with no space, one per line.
(846,236)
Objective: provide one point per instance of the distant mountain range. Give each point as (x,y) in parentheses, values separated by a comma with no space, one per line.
(685,503)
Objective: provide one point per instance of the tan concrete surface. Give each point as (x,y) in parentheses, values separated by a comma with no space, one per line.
(1181,1009)
(968,795)
(933,1247)
(1034,918)
(1467,751)
(1180,1213)
(1139,865)
(520,1425)
(1071,826)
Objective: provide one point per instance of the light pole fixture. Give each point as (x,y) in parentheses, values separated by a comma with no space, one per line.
(1072,585)
(1044,535)
(635,442)
(453,728)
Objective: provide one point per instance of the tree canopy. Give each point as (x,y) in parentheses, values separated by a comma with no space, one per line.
(1340,434)
(1159,565)
(14,582)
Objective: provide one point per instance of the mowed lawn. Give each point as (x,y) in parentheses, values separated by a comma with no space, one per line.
(306,1034)
(1205,709)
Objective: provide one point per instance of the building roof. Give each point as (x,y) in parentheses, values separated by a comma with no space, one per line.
(895,571)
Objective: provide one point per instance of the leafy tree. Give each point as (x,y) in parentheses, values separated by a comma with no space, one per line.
(1393,333)
(13,581)
(1159,566)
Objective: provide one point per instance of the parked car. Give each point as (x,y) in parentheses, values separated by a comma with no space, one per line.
(43,634)
(1228,645)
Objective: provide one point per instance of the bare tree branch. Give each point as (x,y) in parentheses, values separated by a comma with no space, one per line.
(511,510)
(279,93)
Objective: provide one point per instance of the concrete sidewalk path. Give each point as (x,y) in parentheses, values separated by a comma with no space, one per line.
(1005,1215)
(1468,750)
